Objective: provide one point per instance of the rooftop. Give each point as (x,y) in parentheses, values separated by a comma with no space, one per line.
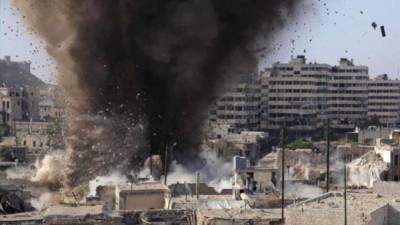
(241,214)
(143,187)
(360,203)
(31,216)
(75,211)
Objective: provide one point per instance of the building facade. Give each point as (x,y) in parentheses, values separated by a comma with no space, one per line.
(5,111)
(297,95)
(384,100)
(239,107)
(348,94)
(302,96)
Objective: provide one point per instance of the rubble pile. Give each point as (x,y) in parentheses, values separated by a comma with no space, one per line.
(364,171)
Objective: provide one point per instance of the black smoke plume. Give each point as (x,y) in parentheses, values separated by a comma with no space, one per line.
(153,64)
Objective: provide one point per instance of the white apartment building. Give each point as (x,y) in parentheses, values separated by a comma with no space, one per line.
(384,100)
(239,107)
(348,94)
(301,96)
(297,95)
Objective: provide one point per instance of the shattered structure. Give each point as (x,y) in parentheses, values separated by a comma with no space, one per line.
(160,66)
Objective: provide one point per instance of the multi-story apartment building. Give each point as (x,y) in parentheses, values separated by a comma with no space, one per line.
(348,94)
(384,100)
(239,107)
(297,95)
(301,96)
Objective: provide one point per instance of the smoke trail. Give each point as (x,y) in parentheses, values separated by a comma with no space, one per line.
(153,61)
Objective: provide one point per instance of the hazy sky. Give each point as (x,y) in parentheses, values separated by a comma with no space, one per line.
(324,31)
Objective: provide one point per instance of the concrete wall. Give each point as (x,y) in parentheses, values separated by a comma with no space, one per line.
(21,223)
(379,216)
(387,188)
(134,201)
(263,179)
(296,216)
(393,215)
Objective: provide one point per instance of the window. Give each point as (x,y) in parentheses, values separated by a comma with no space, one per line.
(24,142)
(396,160)
(8,104)
(34,143)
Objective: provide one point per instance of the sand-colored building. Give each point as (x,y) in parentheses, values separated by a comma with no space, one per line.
(149,195)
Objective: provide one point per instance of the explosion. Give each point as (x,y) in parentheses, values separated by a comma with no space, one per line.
(149,68)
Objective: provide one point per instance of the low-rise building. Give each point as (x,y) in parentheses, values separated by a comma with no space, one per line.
(32,135)
(390,153)
(141,196)
(250,144)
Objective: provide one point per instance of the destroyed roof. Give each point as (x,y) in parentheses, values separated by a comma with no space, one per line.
(143,187)
(268,161)
(75,211)
(190,189)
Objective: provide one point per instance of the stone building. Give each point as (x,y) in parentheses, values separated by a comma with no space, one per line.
(150,195)
(51,104)
(390,153)
(32,135)
(5,111)
(25,102)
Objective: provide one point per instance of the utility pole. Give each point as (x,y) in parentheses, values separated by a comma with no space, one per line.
(345,190)
(166,164)
(197,185)
(327,129)
(283,137)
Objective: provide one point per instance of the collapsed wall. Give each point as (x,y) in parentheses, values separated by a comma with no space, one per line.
(366,170)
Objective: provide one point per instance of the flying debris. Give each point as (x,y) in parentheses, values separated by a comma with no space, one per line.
(374,25)
(154,47)
(383,31)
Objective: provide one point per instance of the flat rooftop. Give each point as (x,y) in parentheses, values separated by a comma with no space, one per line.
(241,214)
(360,203)
(74,211)
(143,187)
(30,216)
